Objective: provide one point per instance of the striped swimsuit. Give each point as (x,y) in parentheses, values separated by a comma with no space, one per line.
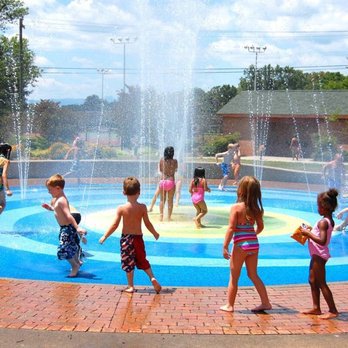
(245,237)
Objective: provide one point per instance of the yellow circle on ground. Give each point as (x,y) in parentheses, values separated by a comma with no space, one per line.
(183,226)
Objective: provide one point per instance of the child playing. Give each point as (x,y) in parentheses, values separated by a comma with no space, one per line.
(168,166)
(197,188)
(132,244)
(226,163)
(5,152)
(318,244)
(80,237)
(343,216)
(243,215)
(68,248)
(236,165)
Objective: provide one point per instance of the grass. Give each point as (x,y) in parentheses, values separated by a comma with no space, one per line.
(284,164)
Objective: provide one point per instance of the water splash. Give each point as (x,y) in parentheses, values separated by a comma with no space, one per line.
(166,79)
(22,118)
(260,105)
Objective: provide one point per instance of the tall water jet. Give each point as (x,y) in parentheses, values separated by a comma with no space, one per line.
(166,79)
(22,117)
(260,105)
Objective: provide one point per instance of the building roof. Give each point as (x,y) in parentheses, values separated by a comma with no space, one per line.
(297,102)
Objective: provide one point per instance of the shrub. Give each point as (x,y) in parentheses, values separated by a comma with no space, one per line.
(58,150)
(38,142)
(219,143)
(323,147)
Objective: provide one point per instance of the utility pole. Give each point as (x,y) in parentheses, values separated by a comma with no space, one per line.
(124,41)
(21,68)
(257,50)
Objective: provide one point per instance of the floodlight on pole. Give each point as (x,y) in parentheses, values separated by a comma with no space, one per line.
(124,41)
(102,72)
(257,50)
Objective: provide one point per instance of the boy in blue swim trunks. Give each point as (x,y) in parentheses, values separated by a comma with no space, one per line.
(68,248)
(227,158)
(132,244)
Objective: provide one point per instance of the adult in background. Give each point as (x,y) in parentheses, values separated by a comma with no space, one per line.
(295,148)
(75,150)
(334,173)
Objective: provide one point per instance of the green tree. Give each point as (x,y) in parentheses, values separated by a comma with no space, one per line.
(11,11)
(16,69)
(327,80)
(281,78)
(53,123)
(273,78)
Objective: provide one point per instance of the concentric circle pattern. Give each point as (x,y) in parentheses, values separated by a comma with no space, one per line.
(183,255)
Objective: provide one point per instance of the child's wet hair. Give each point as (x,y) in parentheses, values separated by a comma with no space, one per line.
(249,192)
(168,152)
(56,180)
(328,199)
(131,186)
(197,174)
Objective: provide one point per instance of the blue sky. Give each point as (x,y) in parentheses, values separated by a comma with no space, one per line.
(177,44)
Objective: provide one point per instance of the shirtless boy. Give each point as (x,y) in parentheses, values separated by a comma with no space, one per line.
(68,248)
(132,244)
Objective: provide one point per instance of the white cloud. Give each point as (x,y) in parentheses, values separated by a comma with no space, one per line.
(173,32)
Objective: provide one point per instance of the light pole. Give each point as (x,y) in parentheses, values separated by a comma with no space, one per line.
(102,72)
(255,50)
(124,41)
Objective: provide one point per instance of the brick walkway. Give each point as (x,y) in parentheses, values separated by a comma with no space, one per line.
(65,307)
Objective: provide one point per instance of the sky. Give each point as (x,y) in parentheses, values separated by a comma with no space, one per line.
(99,47)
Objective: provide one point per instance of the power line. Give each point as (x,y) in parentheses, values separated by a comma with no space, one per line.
(222,70)
(102,27)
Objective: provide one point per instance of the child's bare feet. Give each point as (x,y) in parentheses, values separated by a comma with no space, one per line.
(328,315)
(156,285)
(197,223)
(74,271)
(262,307)
(313,311)
(129,289)
(227,308)
(150,210)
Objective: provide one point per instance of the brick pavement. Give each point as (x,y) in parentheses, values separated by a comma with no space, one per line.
(67,307)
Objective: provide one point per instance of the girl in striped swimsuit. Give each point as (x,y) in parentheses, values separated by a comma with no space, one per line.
(243,215)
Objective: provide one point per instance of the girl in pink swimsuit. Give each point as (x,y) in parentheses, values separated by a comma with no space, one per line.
(318,244)
(243,215)
(198,186)
(167,166)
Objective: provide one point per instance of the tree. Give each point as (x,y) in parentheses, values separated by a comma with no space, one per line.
(11,11)
(327,80)
(278,78)
(16,68)
(12,76)
(52,123)
(273,78)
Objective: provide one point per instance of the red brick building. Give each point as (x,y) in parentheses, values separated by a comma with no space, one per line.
(275,117)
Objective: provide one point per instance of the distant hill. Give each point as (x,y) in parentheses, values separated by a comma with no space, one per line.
(70,101)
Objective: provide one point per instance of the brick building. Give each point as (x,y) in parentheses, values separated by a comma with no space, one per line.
(275,117)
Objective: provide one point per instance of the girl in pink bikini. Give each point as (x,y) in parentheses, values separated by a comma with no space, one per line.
(243,215)
(198,186)
(318,244)
(167,166)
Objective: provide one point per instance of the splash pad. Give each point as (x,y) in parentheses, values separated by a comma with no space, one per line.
(183,255)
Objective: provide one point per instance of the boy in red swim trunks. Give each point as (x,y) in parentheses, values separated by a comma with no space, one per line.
(132,244)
